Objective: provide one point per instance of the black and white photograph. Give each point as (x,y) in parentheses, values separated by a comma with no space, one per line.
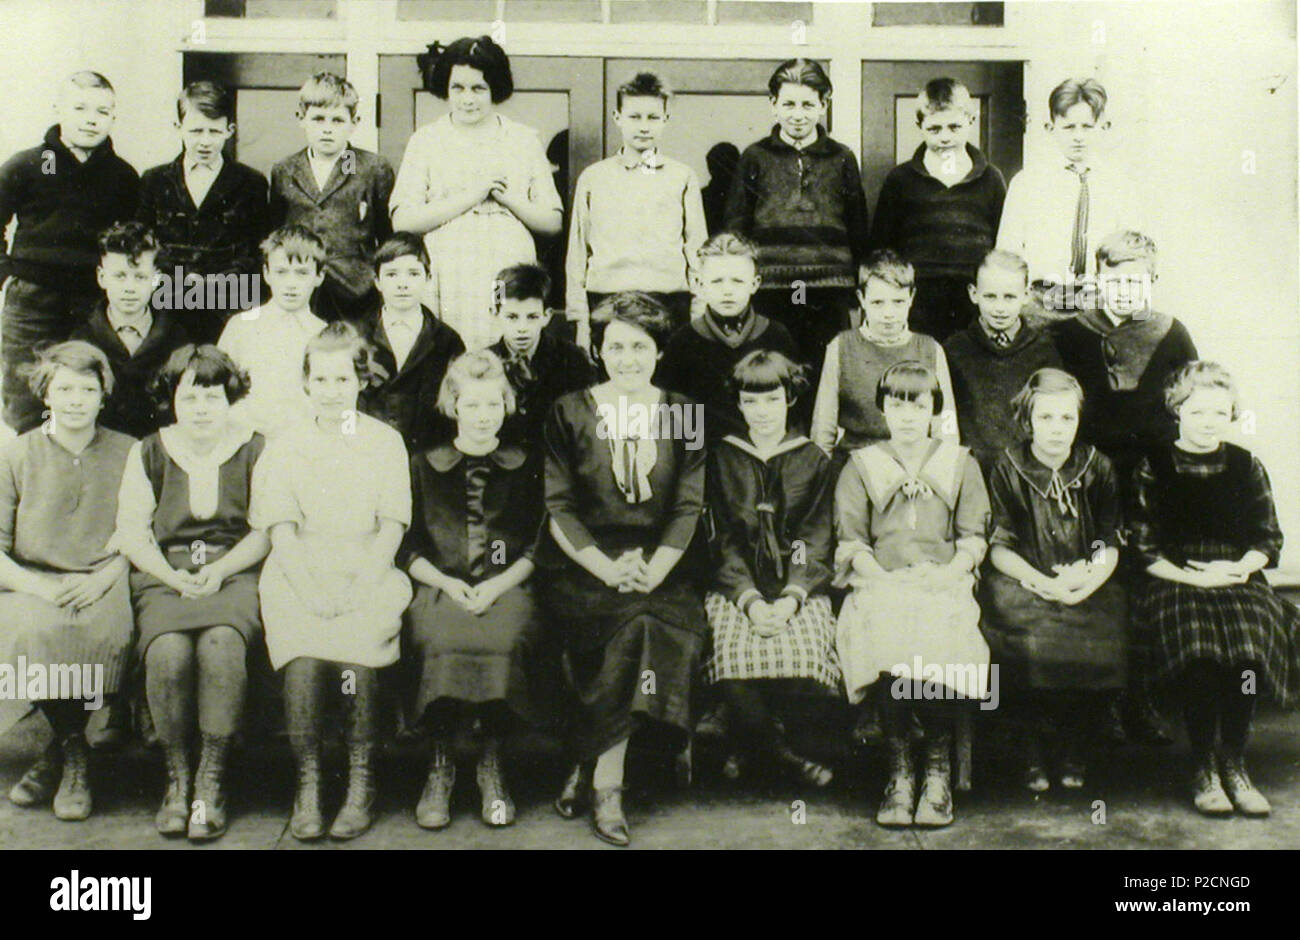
(654,424)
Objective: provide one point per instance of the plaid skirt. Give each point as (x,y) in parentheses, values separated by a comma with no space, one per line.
(805,649)
(1236,625)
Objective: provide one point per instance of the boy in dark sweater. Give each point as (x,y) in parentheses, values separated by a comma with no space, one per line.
(338,191)
(208,213)
(540,364)
(992,358)
(64,192)
(411,346)
(1123,352)
(798,194)
(699,357)
(136,338)
(940,209)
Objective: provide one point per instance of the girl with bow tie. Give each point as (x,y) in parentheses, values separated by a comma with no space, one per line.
(1054,617)
(911,514)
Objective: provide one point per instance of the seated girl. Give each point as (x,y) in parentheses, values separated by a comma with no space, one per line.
(1054,617)
(770,493)
(334,495)
(182,519)
(478,506)
(911,514)
(1204,520)
(64,596)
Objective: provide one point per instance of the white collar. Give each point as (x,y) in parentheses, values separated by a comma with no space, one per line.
(191,461)
(214,169)
(413,320)
(141,323)
(799,144)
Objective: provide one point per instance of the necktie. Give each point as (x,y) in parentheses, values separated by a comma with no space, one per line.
(130,337)
(1001,338)
(633,488)
(1079,240)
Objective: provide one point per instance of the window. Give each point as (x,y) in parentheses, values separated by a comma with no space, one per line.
(937,14)
(272,9)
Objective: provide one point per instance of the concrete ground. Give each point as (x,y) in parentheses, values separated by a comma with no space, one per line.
(1144,803)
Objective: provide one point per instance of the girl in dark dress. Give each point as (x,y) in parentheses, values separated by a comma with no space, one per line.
(1054,617)
(182,519)
(477,508)
(1204,520)
(770,493)
(625,489)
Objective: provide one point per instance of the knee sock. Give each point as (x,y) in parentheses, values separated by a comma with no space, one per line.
(751,718)
(67,717)
(1202,691)
(1236,712)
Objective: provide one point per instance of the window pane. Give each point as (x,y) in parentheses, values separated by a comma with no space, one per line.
(273,9)
(659,11)
(553,11)
(484,10)
(752,11)
(937,14)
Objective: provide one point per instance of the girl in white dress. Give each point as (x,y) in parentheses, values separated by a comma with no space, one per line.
(334,495)
(475,184)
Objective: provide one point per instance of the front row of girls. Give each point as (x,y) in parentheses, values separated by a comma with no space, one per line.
(346,522)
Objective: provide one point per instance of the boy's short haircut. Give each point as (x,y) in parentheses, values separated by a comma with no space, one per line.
(75,354)
(470,367)
(1048,381)
(399,245)
(89,79)
(132,239)
(943,94)
(729,243)
(1127,245)
(1073,90)
(1006,261)
(337,337)
(800,72)
(520,282)
(636,309)
(1198,374)
(908,381)
(889,266)
(766,370)
(478,52)
(210,99)
(209,366)
(298,242)
(327,90)
(643,85)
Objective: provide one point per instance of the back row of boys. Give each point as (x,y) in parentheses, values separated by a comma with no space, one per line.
(796,193)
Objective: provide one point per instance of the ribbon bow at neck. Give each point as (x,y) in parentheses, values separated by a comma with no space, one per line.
(632,459)
(1063,493)
(914,490)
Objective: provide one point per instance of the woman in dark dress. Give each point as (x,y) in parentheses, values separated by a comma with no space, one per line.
(182,519)
(477,508)
(624,491)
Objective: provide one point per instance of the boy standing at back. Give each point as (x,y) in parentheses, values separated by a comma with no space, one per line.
(940,209)
(1057,213)
(208,213)
(340,192)
(638,218)
(64,192)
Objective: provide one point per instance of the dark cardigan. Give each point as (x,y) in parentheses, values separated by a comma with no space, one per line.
(219,237)
(408,399)
(944,231)
(62,205)
(1123,424)
(804,208)
(697,366)
(131,408)
(558,367)
(985,377)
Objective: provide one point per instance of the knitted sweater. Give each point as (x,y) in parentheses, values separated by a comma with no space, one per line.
(985,377)
(62,205)
(804,208)
(943,230)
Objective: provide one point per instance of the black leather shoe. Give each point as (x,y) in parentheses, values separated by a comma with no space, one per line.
(607,819)
(575,796)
